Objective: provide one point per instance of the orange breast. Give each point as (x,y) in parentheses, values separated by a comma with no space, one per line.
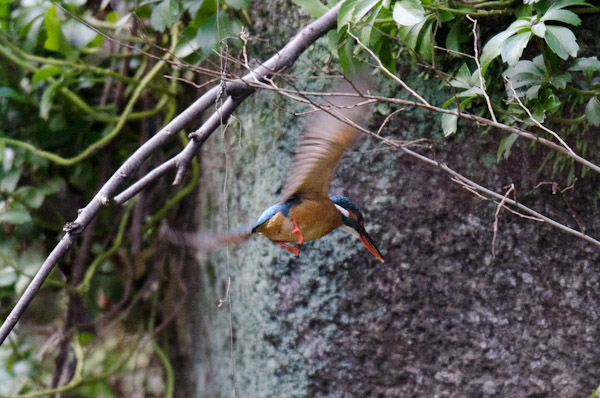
(314,218)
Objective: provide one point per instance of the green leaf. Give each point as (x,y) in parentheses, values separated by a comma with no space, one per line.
(549,100)
(565,16)
(46,72)
(188,44)
(239,4)
(426,42)
(560,81)
(524,10)
(15,216)
(207,33)
(314,7)
(552,62)
(419,37)
(539,63)
(532,92)
(77,34)
(333,39)
(53,33)
(449,123)
(85,338)
(458,34)
(525,77)
(354,10)
(47,100)
(365,32)
(505,144)
(8,276)
(473,91)
(165,14)
(33,197)
(363,7)
(9,92)
(383,48)
(587,64)
(493,47)
(347,57)
(463,76)
(554,5)
(525,73)
(445,16)
(408,12)
(592,111)
(345,13)
(112,17)
(538,112)
(4,13)
(55,40)
(512,48)
(539,29)
(561,41)
(9,180)
(410,34)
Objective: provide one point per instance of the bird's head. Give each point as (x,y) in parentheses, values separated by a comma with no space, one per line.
(353,223)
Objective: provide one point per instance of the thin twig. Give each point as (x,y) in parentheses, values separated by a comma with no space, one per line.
(387,119)
(453,52)
(386,70)
(534,120)
(279,62)
(496,216)
(490,193)
(479,72)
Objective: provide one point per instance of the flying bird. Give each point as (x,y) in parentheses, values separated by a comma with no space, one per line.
(306,211)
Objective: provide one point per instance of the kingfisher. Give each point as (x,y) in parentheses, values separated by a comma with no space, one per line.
(306,211)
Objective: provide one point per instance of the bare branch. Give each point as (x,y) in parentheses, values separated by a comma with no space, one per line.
(387,72)
(490,193)
(479,72)
(279,62)
(496,217)
(534,120)
(387,119)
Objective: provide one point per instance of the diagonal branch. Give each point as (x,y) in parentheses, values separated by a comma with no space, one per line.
(238,89)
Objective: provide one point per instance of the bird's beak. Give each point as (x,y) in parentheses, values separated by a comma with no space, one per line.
(369,244)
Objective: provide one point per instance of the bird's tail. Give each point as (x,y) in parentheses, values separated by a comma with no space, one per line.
(205,240)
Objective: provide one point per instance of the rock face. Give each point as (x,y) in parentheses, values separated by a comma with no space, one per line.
(441,317)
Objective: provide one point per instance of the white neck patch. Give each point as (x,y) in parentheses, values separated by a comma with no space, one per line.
(343,211)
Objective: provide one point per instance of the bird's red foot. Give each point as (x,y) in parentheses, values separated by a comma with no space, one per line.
(289,248)
(296,230)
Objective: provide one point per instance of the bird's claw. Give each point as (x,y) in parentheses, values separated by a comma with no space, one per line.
(296,230)
(289,248)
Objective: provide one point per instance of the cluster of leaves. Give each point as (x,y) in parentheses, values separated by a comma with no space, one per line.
(206,28)
(558,85)
(76,80)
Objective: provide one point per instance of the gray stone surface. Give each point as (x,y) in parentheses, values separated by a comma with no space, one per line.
(441,318)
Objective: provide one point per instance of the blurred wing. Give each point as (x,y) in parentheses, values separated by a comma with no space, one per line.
(205,240)
(323,142)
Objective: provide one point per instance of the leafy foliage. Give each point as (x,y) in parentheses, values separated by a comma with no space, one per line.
(80,86)
(534,41)
(76,97)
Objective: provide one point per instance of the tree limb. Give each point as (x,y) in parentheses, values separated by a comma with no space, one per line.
(237,89)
